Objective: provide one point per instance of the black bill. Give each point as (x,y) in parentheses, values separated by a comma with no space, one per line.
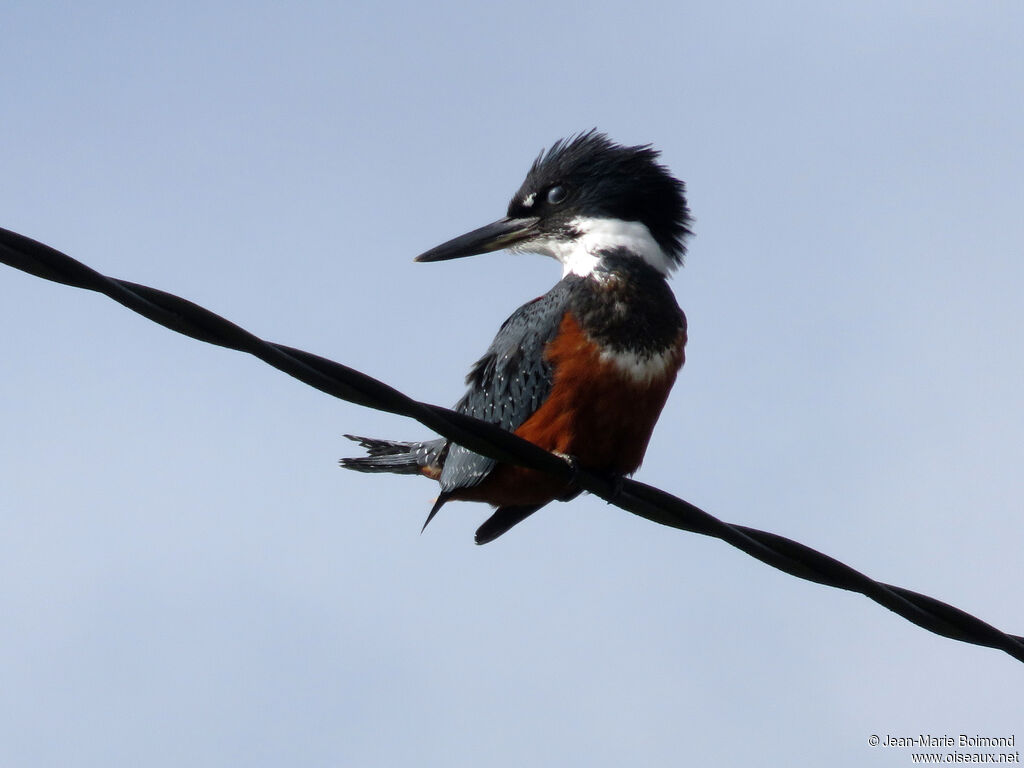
(503,233)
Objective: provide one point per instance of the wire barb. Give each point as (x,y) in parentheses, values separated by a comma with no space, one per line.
(648,502)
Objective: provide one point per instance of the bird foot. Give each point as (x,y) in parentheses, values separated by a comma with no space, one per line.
(574,489)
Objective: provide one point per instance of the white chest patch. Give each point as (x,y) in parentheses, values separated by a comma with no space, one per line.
(582,253)
(643,368)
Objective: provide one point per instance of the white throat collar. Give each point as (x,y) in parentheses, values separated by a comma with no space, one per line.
(593,238)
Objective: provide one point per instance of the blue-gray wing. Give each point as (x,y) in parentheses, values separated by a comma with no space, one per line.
(509,382)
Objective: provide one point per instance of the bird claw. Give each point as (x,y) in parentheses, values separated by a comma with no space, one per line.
(573,488)
(615,481)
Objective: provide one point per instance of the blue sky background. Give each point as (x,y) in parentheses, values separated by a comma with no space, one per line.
(186,577)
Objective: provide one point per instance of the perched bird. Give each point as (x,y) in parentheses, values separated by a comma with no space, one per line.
(584,370)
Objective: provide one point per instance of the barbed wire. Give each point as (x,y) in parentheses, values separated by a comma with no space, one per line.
(641,499)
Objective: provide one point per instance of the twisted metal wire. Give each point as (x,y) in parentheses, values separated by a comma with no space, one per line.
(648,502)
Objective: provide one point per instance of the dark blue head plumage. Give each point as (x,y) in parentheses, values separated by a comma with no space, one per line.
(585,196)
(604,180)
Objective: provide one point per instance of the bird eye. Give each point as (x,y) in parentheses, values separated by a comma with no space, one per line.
(557,194)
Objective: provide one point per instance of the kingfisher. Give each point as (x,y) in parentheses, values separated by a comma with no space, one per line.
(583,371)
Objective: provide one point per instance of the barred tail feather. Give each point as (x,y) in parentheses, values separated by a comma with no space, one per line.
(396,457)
